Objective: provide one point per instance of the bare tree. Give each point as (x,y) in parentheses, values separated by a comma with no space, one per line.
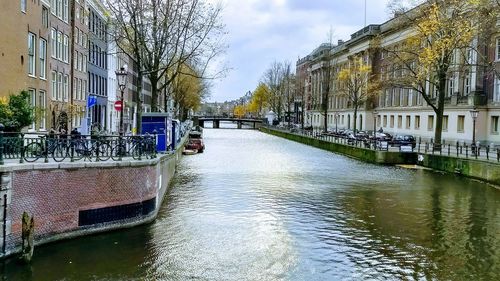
(163,35)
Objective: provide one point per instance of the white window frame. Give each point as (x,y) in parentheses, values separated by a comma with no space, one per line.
(59,45)
(53,75)
(59,86)
(66,48)
(53,46)
(494,125)
(65,87)
(42,104)
(497,50)
(32,96)
(496,96)
(43,58)
(65,10)
(59,8)
(467,83)
(23,6)
(31,54)
(53,4)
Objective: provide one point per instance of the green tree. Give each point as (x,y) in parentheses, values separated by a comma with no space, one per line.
(17,112)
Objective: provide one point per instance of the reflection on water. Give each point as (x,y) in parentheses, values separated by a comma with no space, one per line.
(256,207)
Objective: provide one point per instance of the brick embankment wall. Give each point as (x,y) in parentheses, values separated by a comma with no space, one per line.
(74,199)
(363,154)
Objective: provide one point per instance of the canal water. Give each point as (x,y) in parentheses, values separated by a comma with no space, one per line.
(257,207)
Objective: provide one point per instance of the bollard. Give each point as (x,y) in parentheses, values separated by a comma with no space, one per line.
(27,235)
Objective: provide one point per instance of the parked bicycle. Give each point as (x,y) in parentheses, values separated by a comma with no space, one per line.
(57,148)
(98,149)
(136,147)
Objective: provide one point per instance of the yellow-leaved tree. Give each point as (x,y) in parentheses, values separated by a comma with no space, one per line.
(260,99)
(440,45)
(354,83)
(239,111)
(188,91)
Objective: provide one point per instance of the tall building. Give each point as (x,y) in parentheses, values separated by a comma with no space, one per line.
(79,82)
(59,64)
(97,67)
(24,53)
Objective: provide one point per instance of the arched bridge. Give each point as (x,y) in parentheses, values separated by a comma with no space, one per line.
(217,119)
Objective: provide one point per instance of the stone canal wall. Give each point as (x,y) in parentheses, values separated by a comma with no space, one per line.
(482,170)
(367,155)
(74,199)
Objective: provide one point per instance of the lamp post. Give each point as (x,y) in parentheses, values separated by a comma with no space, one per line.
(336,121)
(474,113)
(122,83)
(375,113)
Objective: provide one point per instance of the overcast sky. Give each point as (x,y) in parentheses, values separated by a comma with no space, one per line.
(261,31)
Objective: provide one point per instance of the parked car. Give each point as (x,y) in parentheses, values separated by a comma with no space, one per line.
(404,140)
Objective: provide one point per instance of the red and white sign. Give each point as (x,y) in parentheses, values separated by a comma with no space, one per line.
(118,105)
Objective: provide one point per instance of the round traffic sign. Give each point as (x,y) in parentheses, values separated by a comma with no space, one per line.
(118,105)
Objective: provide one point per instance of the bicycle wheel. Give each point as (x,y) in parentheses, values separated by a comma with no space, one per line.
(81,150)
(60,152)
(104,151)
(33,152)
(136,153)
(118,151)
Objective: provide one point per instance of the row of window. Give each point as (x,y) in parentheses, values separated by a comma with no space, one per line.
(32,56)
(60,9)
(390,121)
(38,102)
(97,56)
(97,26)
(60,83)
(60,45)
(79,89)
(80,37)
(382,120)
(97,84)
(80,61)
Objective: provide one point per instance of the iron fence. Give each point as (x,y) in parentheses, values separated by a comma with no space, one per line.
(33,147)
(452,149)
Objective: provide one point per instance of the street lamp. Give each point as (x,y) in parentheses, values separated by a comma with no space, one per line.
(375,113)
(474,113)
(122,84)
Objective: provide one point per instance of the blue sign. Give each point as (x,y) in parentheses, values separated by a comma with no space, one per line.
(91,101)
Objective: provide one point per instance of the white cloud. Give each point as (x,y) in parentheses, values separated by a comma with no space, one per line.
(261,31)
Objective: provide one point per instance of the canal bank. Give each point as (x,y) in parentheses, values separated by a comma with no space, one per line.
(477,169)
(363,154)
(72,199)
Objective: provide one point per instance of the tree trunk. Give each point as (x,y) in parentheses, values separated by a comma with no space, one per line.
(440,108)
(139,100)
(154,93)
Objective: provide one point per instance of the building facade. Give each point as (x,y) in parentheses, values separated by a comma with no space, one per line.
(401,110)
(24,54)
(97,68)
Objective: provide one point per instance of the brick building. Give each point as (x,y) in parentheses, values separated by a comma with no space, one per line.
(24,53)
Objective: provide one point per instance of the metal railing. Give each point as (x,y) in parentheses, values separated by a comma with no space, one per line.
(452,149)
(34,147)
